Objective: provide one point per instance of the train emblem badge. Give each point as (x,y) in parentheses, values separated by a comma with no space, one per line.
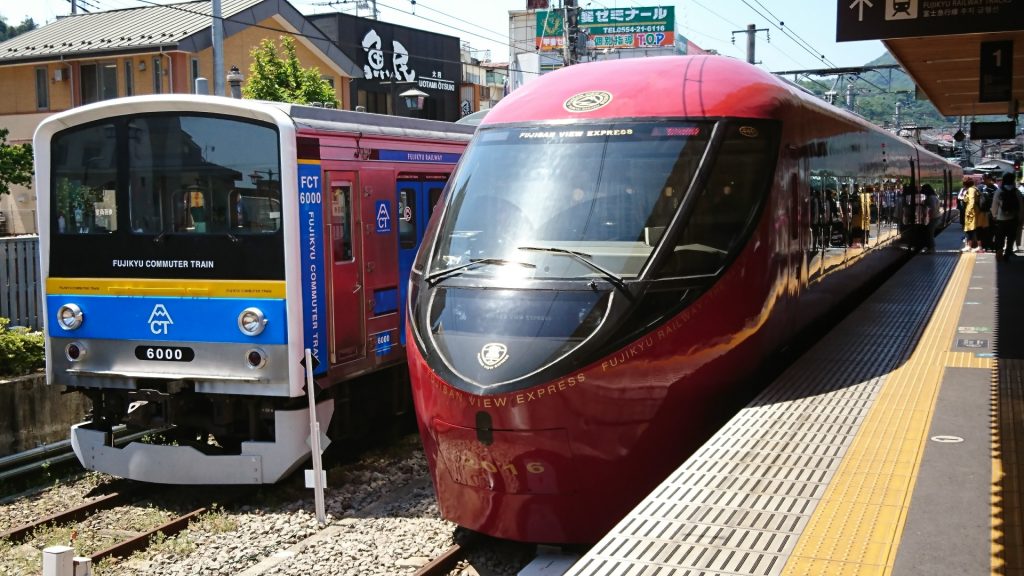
(492,355)
(159,320)
(587,101)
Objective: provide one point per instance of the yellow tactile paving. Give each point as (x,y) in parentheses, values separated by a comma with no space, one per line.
(1007,466)
(857,526)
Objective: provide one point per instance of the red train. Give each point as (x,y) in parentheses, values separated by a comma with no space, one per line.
(623,244)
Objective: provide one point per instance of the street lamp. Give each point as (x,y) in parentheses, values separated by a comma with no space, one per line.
(414,98)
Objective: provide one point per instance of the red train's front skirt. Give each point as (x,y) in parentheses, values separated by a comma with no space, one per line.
(527,476)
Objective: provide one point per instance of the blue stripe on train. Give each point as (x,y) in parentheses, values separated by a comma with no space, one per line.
(168,318)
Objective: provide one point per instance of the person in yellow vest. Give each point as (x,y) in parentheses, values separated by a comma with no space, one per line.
(865,211)
(973,215)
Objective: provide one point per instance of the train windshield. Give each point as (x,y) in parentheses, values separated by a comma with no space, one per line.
(141,194)
(184,175)
(580,200)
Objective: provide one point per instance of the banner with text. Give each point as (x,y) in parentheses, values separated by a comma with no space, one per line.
(645,27)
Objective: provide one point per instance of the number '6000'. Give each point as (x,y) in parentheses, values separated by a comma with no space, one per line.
(164,354)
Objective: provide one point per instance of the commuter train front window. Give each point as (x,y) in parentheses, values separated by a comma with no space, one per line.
(85,180)
(573,201)
(203,175)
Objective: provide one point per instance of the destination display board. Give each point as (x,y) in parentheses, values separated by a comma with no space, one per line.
(882,19)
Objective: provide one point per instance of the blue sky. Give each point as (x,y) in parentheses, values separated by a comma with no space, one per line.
(484,24)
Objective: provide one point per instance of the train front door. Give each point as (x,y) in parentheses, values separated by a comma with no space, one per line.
(348,317)
(416,200)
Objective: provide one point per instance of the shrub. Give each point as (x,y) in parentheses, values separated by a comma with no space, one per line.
(21,350)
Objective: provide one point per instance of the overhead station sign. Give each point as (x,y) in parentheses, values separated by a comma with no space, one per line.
(647,27)
(883,19)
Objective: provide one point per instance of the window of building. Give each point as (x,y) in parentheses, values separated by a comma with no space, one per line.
(377,102)
(158,74)
(90,90)
(129,78)
(107,80)
(42,88)
(195,74)
(99,82)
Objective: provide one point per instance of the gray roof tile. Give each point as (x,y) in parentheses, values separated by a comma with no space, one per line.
(183,26)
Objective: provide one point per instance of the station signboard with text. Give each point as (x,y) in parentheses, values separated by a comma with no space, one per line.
(884,19)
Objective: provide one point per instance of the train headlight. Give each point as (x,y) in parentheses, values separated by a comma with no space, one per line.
(256,358)
(69,316)
(75,351)
(251,321)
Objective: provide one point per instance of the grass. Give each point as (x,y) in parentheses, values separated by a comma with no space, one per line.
(217,521)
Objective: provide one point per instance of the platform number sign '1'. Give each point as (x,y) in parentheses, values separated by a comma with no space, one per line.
(996,82)
(312,254)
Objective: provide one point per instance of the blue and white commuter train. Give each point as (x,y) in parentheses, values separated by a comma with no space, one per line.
(193,247)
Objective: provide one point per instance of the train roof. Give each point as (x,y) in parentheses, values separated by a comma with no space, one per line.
(368,123)
(311,117)
(663,86)
(666,87)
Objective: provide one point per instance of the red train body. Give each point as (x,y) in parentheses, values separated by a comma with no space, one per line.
(563,362)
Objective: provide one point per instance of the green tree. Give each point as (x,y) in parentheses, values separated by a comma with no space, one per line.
(283,79)
(7,32)
(15,164)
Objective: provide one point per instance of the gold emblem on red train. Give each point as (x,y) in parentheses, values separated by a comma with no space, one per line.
(587,101)
(492,355)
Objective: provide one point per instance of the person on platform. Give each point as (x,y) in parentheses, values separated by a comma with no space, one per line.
(972,213)
(931,204)
(1005,211)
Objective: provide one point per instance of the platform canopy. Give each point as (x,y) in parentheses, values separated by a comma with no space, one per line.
(967,57)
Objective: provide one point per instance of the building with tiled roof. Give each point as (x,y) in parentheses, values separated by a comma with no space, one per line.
(89,57)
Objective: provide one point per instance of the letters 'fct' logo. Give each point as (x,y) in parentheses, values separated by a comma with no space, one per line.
(159,320)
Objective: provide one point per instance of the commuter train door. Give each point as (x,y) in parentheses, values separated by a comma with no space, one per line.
(416,200)
(347,316)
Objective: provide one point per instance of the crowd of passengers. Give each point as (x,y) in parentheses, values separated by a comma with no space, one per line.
(990,214)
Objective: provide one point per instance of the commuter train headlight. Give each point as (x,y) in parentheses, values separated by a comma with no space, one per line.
(256,358)
(251,321)
(69,316)
(75,351)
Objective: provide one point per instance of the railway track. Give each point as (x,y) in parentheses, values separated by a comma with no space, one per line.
(382,520)
(25,464)
(103,528)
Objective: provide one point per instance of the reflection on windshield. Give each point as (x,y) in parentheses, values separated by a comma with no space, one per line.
(604,190)
(185,174)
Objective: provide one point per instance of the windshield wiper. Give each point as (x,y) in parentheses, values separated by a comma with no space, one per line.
(159,237)
(584,259)
(436,277)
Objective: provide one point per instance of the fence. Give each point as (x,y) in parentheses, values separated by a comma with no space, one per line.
(19,281)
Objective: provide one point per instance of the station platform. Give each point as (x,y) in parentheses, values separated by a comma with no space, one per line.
(892,446)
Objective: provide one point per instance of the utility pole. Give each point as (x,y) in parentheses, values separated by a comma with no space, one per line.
(571,28)
(218,50)
(751,33)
